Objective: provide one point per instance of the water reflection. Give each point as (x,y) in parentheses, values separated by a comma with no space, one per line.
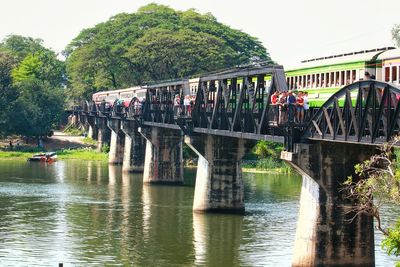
(92,214)
(217,239)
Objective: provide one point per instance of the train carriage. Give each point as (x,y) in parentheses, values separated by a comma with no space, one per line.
(321,77)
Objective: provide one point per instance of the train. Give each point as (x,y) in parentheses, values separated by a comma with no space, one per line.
(182,87)
(320,77)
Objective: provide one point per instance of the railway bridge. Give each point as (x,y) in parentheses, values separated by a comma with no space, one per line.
(233,111)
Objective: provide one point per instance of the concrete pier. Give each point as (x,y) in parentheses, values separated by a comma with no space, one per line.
(163,157)
(117,143)
(134,151)
(92,128)
(219,184)
(325,236)
(103,132)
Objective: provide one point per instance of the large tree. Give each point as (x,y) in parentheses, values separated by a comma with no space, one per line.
(31,82)
(155,43)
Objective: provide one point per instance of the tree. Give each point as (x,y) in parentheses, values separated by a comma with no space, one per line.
(7,94)
(31,81)
(396,34)
(378,183)
(154,43)
(165,54)
(37,109)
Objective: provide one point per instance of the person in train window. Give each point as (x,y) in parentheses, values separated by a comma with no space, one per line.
(367,76)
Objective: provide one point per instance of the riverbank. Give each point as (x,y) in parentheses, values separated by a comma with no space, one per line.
(66,146)
(80,154)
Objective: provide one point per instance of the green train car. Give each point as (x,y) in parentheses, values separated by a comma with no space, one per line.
(321,77)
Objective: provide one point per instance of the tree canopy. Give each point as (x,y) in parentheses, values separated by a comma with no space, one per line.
(155,43)
(31,82)
(396,34)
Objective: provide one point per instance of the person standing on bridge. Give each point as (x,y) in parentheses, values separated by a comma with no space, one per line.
(186,105)
(300,107)
(306,106)
(177,102)
(275,106)
(282,108)
(291,102)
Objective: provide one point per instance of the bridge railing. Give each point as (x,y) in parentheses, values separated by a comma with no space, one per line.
(366,112)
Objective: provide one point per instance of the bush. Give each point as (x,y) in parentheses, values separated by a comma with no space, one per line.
(89,141)
(105,148)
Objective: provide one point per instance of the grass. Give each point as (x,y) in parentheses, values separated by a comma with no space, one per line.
(265,165)
(89,141)
(14,155)
(81,154)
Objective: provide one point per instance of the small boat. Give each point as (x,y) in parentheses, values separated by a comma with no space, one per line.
(44,157)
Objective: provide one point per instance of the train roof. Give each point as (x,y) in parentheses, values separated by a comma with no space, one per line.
(359,56)
(120,90)
(394,53)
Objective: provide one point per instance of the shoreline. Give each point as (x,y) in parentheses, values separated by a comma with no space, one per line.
(92,155)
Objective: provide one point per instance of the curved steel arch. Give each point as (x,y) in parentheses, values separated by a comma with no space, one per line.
(362,112)
(131,112)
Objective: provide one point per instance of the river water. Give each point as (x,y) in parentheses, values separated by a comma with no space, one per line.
(91,214)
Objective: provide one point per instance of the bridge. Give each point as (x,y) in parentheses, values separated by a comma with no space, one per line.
(232,111)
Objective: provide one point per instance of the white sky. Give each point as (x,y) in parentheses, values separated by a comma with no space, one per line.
(291,30)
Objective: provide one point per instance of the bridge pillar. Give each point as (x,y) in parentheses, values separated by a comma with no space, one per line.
(325,236)
(92,128)
(219,184)
(134,148)
(163,158)
(117,142)
(103,132)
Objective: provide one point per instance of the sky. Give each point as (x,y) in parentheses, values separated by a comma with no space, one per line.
(291,30)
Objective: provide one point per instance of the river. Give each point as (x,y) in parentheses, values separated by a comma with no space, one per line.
(91,214)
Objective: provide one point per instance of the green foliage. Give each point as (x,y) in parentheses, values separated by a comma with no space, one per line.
(392,241)
(74,131)
(375,183)
(105,148)
(89,141)
(31,81)
(37,110)
(187,152)
(21,47)
(154,43)
(265,149)
(82,154)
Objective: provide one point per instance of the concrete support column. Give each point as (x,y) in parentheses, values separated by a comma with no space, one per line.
(325,235)
(219,184)
(134,148)
(163,159)
(117,143)
(103,132)
(92,131)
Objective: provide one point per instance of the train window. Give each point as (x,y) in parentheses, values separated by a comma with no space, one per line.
(342,77)
(322,81)
(353,76)
(337,84)
(394,73)
(398,74)
(387,74)
(347,77)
